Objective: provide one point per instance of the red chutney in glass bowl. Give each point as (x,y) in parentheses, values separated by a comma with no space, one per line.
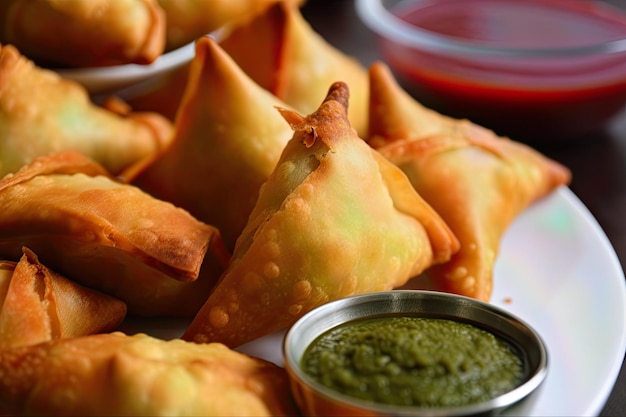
(534,70)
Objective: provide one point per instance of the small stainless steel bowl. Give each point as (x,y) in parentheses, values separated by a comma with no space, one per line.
(316,399)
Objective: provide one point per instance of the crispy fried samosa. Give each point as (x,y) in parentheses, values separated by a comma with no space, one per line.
(334,219)
(110,236)
(283,54)
(42,113)
(84,33)
(115,374)
(478,182)
(40,305)
(228,139)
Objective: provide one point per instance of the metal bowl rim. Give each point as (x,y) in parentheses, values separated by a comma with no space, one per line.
(533,381)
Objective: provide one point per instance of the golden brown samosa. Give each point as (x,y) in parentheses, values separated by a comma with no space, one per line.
(109,236)
(478,182)
(334,219)
(42,113)
(115,374)
(280,50)
(40,305)
(84,33)
(228,140)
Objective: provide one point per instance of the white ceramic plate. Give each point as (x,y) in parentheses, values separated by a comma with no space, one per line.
(563,277)
(101,80)
(558,272)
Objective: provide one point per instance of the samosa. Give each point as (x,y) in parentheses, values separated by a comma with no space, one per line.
(84,33)
(38,305)
(110,236)
(477,181)
(114,374)
(228,140)
(334,219)
(42,113)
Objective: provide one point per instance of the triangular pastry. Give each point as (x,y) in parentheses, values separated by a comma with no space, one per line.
(40,305)
(228,139)
(280,51)
(478,182)
(115,374)
(334,219)
(110,236)
(42,113)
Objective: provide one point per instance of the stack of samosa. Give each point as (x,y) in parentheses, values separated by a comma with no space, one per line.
(269,195)
(109,235)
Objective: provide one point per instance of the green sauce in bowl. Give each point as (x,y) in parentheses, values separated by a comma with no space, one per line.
(414,361)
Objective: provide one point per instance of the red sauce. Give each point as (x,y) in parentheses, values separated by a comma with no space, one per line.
(555,97)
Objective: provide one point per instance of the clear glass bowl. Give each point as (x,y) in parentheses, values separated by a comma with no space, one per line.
(534,70)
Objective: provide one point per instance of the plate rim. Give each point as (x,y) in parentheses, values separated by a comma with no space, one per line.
(603,393)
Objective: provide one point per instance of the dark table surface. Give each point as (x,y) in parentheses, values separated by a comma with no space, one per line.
(598,163)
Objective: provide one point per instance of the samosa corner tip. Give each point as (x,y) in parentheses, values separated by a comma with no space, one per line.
(328,121)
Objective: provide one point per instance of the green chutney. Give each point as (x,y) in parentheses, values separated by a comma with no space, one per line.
(414,361)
